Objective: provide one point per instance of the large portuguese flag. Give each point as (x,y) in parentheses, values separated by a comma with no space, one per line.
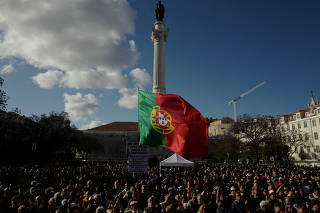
(168,120)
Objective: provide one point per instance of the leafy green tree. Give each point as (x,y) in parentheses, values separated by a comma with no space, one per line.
(59,136)
(41,137)
(14,135)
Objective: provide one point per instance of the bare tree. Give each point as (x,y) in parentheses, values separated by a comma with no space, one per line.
(225,147)
(295,139)
(253,132)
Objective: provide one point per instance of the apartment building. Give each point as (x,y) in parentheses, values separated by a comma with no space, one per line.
(220,127)
(307,123)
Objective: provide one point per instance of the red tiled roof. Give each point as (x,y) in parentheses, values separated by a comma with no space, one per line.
(304,110)
(226,120)
(293,113)
(118,126)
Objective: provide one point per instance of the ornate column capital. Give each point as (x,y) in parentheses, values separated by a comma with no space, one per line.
(159,35)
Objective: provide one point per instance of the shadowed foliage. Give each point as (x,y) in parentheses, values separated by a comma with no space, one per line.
(41,138)
(3,97)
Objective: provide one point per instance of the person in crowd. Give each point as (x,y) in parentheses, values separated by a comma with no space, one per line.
(207,187)
(153,206)
(133,207)
(238,205)
(263,207)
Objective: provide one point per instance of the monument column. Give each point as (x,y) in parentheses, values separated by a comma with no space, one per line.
(159,36)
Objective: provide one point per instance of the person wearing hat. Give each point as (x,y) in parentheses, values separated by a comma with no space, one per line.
(272,200)
(231,197)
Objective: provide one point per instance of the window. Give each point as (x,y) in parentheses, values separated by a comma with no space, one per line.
(305,124)
(308,148)
(306,136)
(314,123)
(298,115)
(293,127)
(299,125)
(300,137)
(317,148)
(315,136)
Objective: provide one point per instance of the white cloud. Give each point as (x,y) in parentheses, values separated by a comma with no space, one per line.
(140,77)
(79,44)
(48,79)
(129,98)
(84,39)
(94,79)
(6,69)
(91,125)
(79,106)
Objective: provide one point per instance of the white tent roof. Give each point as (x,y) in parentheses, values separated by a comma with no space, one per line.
(176,160)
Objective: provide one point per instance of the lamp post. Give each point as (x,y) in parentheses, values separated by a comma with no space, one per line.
(124,140)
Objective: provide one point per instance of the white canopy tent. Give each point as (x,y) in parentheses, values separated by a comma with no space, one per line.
(176,160)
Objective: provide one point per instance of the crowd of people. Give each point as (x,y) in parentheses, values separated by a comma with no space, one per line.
(207,187)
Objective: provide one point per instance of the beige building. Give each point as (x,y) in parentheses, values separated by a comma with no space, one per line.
(220,127)
(307,123)
(116,137)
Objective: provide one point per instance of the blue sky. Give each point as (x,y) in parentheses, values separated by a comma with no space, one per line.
(216,50)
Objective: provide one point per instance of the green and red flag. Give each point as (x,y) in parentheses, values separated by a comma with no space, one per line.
(169,121)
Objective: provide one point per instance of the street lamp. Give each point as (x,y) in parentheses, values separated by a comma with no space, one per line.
(124,140)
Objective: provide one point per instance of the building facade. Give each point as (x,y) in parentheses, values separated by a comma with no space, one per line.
(304,123)
(220,127)
(116,138)
(307,123)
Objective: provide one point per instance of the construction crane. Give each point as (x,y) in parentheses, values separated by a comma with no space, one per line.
(234,101)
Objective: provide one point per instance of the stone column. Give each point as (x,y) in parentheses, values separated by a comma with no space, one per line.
(159,36)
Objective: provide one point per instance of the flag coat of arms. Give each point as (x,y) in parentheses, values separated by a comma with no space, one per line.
(169,121)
